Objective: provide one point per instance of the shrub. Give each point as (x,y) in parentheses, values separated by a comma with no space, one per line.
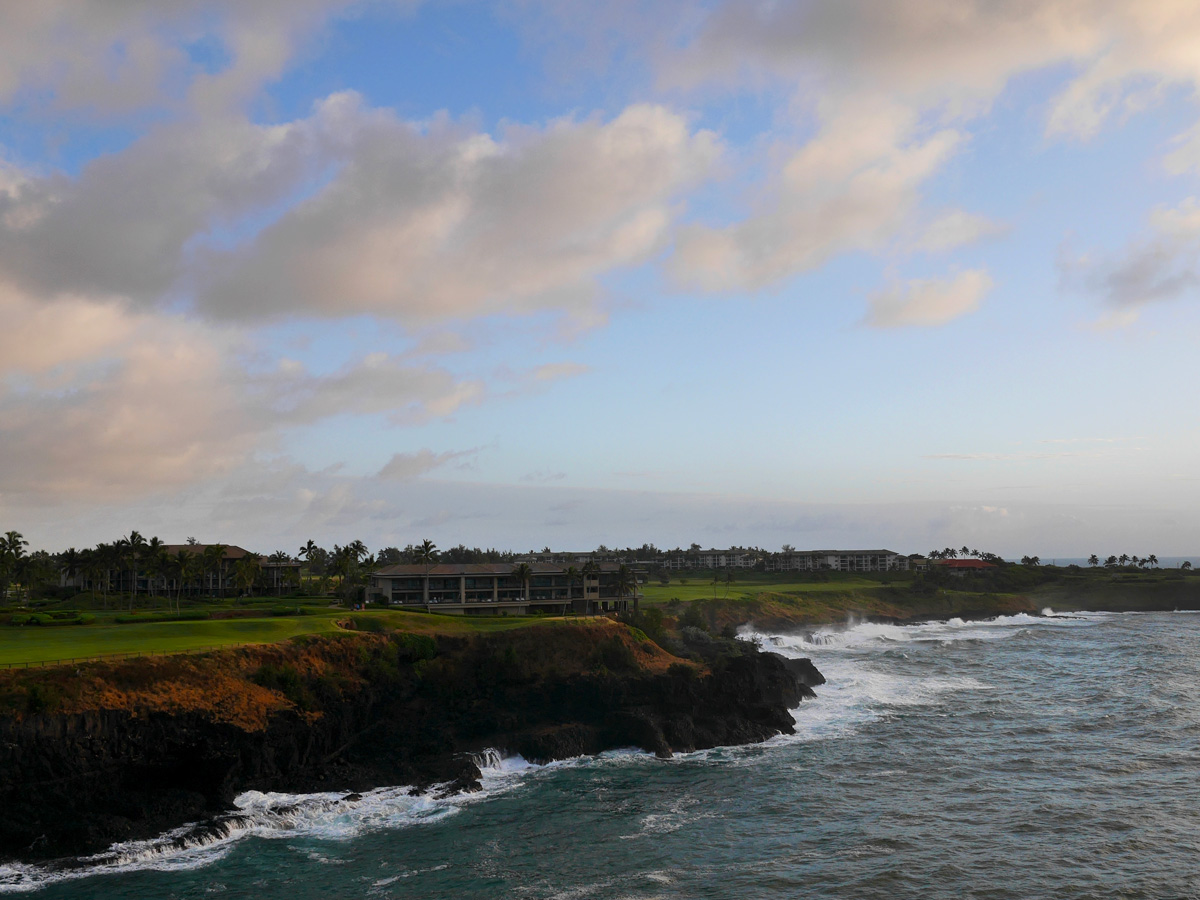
(41,698)
(368,623)
(614,654)
(287,681)
(416,646)
(681,670)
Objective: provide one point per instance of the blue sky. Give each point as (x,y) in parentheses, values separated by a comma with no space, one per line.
(828,273)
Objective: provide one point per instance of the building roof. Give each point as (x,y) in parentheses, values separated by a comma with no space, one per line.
(444,570)
(965,564)
(232,551)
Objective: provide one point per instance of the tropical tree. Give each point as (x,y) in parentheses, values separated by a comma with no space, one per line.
(213,562)
(70,562)
(426,555)
(1186,566)
(1123,559)
(522,572)
(12,551)
(277,560)
(627,584)
(573,576)
(186,564)
(1152,559)
(1110,562)
(36,570)
(1093,560)
(133,548)
(246,572)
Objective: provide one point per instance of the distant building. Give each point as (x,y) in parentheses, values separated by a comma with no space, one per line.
(491,588)
(960,567)
(275,576)
(838,561)
(711,559)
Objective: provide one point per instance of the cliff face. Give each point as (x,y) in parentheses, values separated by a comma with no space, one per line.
(102,754)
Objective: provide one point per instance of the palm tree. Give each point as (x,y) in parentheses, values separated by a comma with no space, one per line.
(1123,559)
(572,574)
(133,546)
(12,551)
(427,555)
(1093,560)
(1110,562)
(247,571)
(160,563)
(214,562)
(1186,565)
(627,584)
(591,569)
(521,572)
(1152,559)
(185,565)
(277,559)
(70,561)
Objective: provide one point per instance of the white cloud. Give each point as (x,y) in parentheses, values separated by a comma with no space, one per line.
(1160,267)
(108,58)
(852,187)
(440,223)
(896,86)
(928,302)
(102,403)
(407,466)
(955,228)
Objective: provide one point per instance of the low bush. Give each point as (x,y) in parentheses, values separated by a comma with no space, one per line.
(614,654)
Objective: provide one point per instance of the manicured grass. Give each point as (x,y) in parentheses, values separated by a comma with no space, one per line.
(751,584)
(33,643)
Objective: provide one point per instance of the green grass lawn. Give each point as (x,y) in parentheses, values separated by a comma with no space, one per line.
(33,643)
(751,584)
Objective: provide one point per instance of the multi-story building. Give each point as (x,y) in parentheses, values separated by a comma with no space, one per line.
(490,588)
(838,561)
(710,559)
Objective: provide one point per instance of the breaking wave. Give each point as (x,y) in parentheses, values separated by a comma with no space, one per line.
(334,816)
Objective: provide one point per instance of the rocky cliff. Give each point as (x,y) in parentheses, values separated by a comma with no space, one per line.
(106,753)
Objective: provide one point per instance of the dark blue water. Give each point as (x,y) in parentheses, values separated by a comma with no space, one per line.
(1021,758)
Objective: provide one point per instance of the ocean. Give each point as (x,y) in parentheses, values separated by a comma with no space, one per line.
(1024,757)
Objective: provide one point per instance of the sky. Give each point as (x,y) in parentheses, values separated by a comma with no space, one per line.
(829,273)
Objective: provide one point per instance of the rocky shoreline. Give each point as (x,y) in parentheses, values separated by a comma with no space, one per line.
(115,761)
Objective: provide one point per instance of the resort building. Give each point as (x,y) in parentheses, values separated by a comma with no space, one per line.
(961,567)
(838,561)
(711,559)
(204,576)
(491,588)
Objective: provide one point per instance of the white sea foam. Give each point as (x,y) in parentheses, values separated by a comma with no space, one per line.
(877,635)
(332,816)
(857,689)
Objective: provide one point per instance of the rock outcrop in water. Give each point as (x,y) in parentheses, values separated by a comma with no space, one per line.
(114,752)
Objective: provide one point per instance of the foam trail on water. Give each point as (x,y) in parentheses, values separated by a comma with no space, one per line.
(334,816)
(864,685)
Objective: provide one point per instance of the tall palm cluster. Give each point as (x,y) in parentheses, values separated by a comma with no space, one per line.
(1125,559)
(964,552)
(133,564)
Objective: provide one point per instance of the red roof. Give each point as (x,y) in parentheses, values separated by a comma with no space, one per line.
(965,564)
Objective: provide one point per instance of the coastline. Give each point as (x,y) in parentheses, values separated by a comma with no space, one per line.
(148,745)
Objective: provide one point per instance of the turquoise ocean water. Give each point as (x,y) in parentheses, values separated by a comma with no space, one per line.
(1024,757)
